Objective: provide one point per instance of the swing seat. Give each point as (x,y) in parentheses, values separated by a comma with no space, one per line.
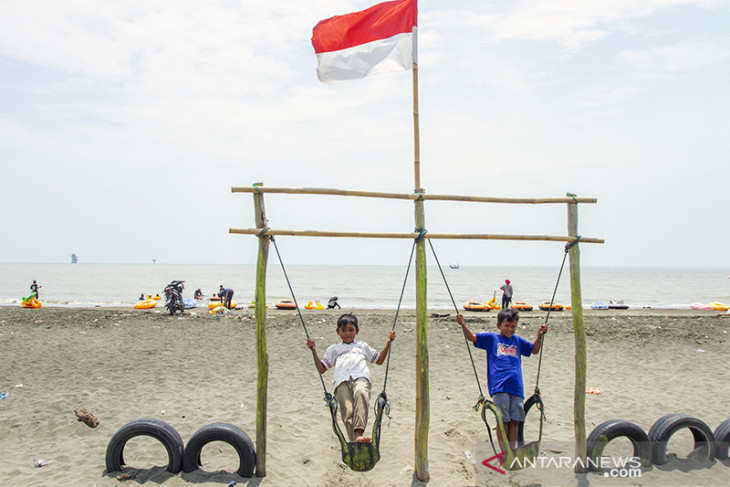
(525,454)
(360,457)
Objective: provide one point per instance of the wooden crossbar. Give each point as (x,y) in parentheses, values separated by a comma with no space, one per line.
(409,196)
(411,235)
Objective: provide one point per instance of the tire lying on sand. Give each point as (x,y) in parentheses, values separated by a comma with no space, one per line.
(612,429)
(225,432)
(154,428)
(722,440)
(666,426)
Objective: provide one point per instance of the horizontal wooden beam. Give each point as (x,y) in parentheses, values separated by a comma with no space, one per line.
(413,235)
(409,196)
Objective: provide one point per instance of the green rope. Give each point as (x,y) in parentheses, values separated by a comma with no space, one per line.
(360,457)
(547,317)
(327,396)
(466,341)
(420,195)
(256,187)
(571,195)
(395,319)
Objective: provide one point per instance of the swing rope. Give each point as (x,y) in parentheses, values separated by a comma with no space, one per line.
(327,396)
(482,401)
(522,450)
(568,246)
(395,319)
(358,456)
(456,308)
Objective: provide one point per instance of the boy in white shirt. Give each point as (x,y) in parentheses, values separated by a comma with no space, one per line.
(351,375)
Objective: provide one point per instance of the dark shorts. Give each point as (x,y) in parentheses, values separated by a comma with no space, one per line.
(511,407)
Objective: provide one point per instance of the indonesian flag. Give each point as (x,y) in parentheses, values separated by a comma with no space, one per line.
(378,40)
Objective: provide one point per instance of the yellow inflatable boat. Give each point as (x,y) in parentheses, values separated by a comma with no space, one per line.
(32,302)
(146,304)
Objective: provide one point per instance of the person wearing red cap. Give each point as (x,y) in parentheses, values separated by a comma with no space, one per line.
(506,294)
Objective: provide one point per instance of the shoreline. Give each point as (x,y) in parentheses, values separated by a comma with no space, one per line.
(123,364)
(587,310)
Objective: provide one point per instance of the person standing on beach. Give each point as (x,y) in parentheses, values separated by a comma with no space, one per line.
(226,296)
(504,367)
(34,287)
(351,375)
(506,294)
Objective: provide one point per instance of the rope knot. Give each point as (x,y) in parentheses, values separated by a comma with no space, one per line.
(263,231)
(570,245)
(256,187)
(480,402)
(421,234)
(328,399)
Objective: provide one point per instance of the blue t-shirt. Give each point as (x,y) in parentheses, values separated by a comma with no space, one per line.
(504,362)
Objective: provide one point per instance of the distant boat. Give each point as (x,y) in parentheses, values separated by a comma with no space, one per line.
(74,259)
(454,266)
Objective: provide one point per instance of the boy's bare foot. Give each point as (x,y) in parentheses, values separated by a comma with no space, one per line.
(363,439)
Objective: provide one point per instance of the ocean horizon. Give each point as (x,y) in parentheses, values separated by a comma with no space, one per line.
(358,286)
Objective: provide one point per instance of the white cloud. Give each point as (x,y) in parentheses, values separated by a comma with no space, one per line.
(671,60)
(154,102)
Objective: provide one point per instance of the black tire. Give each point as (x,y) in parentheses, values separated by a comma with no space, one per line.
(666,426)
(722,441)
(529,403)
(228,433)
(155,428)
(610,430)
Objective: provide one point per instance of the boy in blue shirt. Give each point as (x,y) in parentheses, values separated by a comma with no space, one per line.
(504,367)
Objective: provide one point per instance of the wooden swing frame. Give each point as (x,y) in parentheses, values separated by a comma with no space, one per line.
(422,386)
(263,232)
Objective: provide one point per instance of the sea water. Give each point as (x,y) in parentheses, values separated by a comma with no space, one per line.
(86,285)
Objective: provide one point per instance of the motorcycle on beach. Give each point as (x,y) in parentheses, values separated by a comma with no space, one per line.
(173,297)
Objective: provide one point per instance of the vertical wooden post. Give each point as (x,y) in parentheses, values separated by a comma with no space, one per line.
(423,414)
(262,354)
(579,399)
(422,388)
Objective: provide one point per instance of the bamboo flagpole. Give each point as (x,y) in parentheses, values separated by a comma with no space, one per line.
(423,414)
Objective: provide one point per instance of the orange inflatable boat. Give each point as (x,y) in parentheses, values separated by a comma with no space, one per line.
(476,306)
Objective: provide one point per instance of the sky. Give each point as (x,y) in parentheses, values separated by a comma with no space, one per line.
(124,125)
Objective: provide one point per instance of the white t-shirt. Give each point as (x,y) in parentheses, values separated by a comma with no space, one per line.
(349,360)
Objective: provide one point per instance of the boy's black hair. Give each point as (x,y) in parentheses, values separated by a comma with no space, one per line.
(508,314)
(347,319)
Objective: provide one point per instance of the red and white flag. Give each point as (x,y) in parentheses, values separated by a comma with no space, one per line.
(378,40)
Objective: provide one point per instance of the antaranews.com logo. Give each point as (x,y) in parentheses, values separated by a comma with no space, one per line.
(614,467)
(556,466)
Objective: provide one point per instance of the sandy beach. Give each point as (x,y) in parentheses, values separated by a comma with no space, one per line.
(197,369)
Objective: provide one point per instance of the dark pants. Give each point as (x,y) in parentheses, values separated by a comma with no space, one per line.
(505,302)
(227,299)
